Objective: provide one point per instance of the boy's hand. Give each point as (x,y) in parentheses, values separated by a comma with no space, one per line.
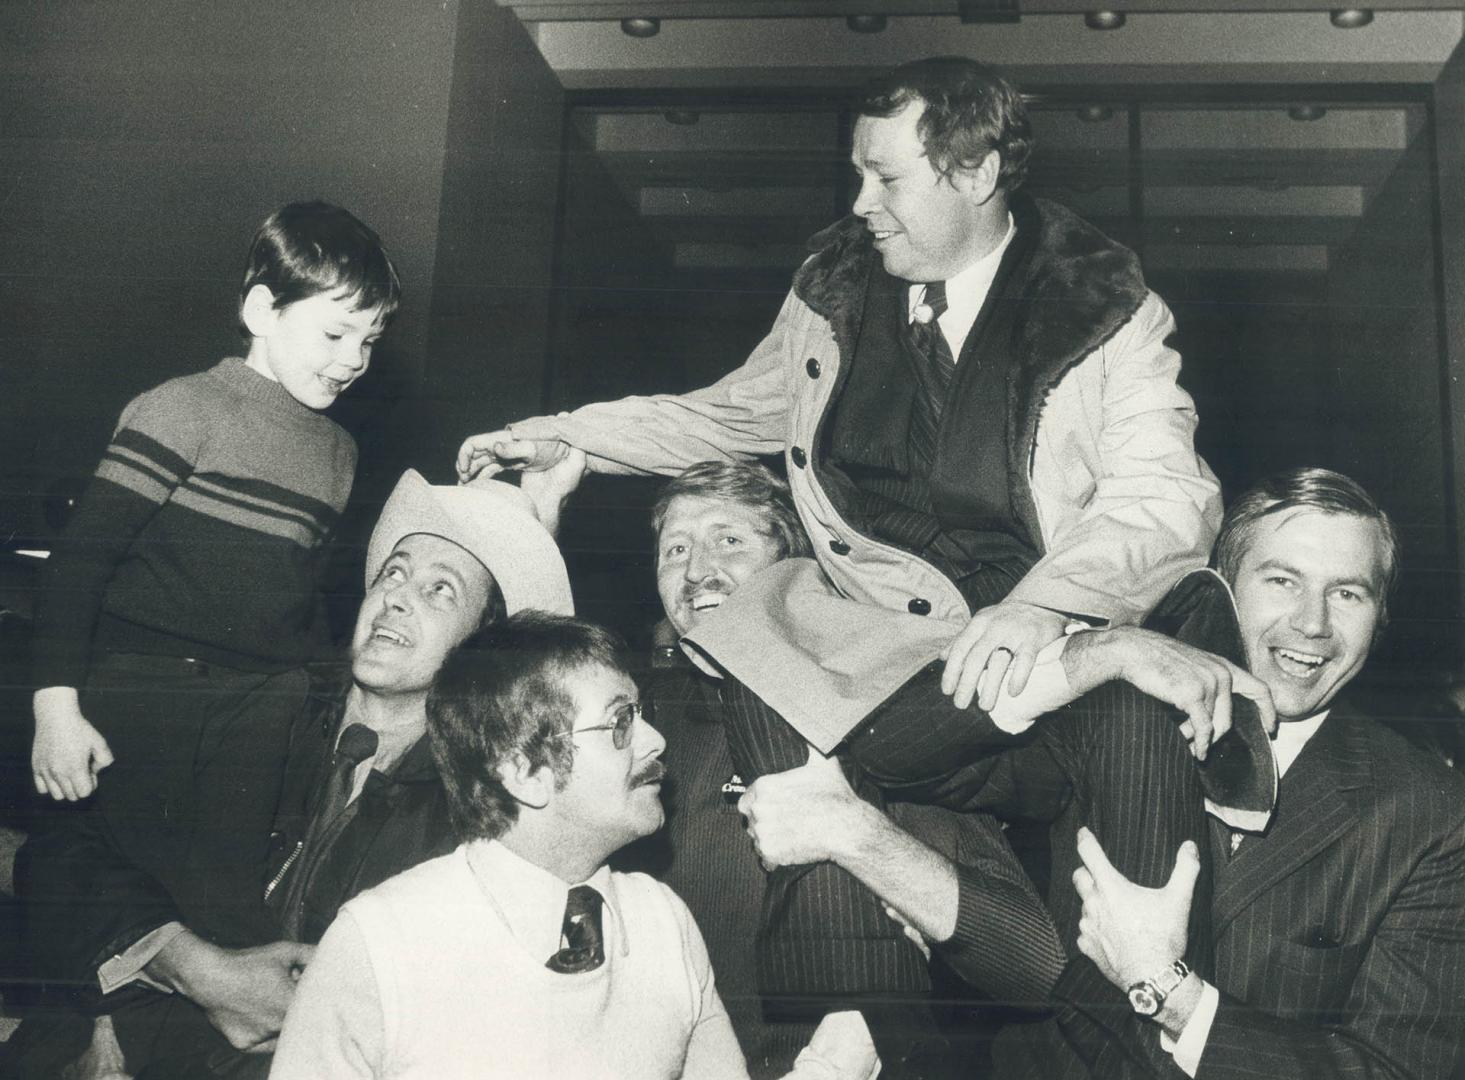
(68,752)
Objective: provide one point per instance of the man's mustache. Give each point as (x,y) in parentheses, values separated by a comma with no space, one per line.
(710,585)
(651,773)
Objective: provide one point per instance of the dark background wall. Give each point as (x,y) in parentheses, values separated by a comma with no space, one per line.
(142,144)
(1386,421)
(1449,118)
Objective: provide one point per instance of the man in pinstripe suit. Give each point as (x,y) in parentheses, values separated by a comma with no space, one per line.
(719,527)
(718,524)
(1340,930)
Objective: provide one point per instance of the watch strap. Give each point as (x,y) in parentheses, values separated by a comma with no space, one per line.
(1147,997)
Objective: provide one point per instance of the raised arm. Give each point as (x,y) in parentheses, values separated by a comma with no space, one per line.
(742,415)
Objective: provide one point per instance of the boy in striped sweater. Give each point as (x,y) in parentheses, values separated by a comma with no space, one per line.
(183,602)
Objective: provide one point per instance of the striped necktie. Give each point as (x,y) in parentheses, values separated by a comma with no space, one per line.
(933,383)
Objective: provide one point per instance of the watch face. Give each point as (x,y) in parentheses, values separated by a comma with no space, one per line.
(1143,1000)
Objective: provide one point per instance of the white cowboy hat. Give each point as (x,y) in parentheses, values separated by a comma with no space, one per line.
(492,521)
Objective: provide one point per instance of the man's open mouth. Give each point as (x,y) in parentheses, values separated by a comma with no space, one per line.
(390,636)
(1298,664)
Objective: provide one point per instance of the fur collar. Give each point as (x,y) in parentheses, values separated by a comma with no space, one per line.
(1082,285)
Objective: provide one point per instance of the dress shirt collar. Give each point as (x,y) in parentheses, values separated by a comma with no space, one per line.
(966,292)
(1291,737)
(531,900)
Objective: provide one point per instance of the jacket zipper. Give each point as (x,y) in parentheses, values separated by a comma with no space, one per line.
(284,869)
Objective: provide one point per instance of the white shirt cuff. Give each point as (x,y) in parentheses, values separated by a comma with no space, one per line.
(127,967)
(1047,688)
(1187,1049)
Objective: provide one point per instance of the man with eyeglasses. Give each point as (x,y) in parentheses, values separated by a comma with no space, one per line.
(362,801)
(521,953)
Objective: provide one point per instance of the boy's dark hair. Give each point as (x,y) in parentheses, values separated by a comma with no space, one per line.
(750,485)
(970,111)
(504,692)
(1305,489)
(308,248)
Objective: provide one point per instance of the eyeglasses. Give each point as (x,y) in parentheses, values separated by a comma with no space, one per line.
(619,728)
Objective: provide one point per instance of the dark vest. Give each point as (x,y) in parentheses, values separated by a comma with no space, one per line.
(954,507)
(1071,290)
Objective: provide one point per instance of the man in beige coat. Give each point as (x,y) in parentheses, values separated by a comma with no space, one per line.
(980,418)
(1064,441)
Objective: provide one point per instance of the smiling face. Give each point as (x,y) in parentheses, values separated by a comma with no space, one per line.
(1309,598)
(315,348)
(610,796)
(429,595)
(707,548)
(927,227)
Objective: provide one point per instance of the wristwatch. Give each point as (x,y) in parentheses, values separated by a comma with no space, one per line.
(1147,996)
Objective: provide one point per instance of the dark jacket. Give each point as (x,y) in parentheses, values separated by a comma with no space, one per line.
(1340,931)
(87,902)
(399,820)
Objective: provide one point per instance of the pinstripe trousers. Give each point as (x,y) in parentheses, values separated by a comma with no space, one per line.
(1117,751)
(823,932)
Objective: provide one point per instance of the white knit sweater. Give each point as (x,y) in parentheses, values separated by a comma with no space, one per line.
(427,976)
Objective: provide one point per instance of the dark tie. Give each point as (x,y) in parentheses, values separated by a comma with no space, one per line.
(583,948)
(356,744)
(933,381)
(925,330)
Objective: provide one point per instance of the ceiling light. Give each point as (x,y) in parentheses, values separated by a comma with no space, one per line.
(641,28)
(1306,113)
(682,117)
(1096,114)
(1350,18)
(1104,20)
(866,24)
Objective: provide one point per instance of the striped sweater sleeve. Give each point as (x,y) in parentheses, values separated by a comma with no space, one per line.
(156,443)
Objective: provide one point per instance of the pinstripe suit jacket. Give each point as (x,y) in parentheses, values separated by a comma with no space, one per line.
(1340,932)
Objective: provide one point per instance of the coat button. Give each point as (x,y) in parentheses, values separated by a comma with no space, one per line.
(839,547)
(812,367)
(919,606)
(800,458)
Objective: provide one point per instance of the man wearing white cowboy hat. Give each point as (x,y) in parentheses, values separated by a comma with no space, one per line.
(362,800)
